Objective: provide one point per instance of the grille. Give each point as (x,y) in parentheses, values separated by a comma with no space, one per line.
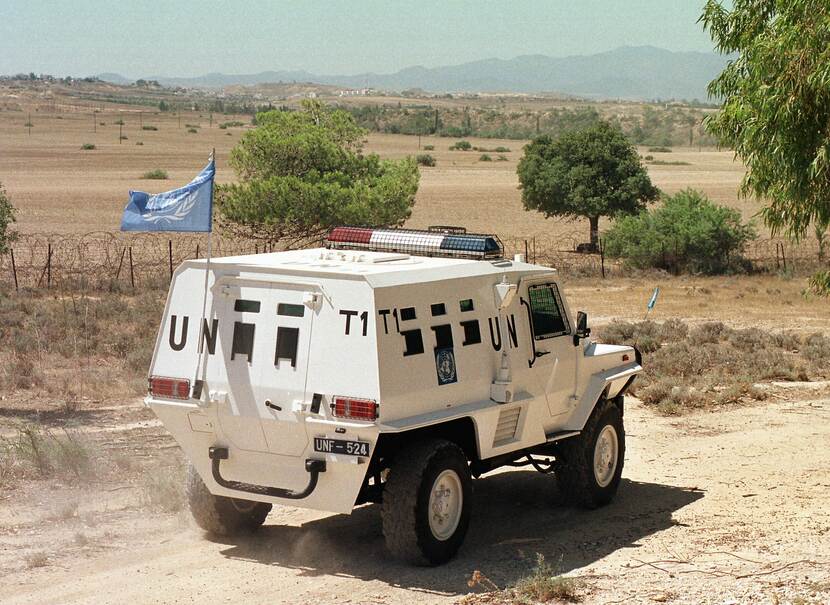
(508,424)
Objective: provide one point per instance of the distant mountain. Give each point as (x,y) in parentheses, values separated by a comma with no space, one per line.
(642,72)
(114,79)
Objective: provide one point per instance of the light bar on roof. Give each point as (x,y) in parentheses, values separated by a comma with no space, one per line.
(421,243)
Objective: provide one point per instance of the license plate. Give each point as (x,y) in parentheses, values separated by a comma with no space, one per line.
(341,446)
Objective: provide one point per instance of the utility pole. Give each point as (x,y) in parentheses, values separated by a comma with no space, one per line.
(29,123)
(120,127)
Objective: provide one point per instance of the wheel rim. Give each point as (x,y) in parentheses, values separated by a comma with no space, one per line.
(446,499)
(606,452)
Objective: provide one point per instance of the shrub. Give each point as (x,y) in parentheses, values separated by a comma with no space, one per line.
(501,149)
(232,124)
(149,128)
(819,284)
(119,122)
(501,158)
(191,126)
(461,146)
(660,149)
(688,233)
(123,137)
(157,174)
(648,158)
(484,158)
(7,217)
(139,143)
(544,585)
(87,146)
(429,147)
(192,130)
(669,163)
(425,159)
(28,125)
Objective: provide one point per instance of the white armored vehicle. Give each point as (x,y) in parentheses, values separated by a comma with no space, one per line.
(390,366)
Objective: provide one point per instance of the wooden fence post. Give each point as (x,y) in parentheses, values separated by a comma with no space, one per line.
(197,250)
(49,267)
(602,258)
(120,262)
(132,274)
(170,256)
(14,270)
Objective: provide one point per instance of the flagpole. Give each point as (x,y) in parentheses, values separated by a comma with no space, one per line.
(200,345)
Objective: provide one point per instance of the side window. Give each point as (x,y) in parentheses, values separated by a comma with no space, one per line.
(472,332)
(413,342)
(546,311)
(287,340)
(443,336)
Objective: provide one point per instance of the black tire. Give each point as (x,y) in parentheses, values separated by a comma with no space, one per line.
(578,481)
(406,496)
(221,515)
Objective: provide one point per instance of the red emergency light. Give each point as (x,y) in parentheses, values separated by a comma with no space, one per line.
(439,241)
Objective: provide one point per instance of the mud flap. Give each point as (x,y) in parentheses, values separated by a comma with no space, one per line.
(312,467)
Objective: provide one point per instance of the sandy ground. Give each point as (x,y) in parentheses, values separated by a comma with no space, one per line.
(725,507)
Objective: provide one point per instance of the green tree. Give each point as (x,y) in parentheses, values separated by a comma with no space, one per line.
(591,172)
(687,233)
(301,173)
(776,104)
(7,217)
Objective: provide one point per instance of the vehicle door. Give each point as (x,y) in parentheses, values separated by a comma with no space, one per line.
(551,353)
(262,362)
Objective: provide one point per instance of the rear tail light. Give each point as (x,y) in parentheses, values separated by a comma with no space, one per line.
(170,388)
(355,409)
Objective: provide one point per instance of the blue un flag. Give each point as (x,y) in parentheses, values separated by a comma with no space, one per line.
(188,208)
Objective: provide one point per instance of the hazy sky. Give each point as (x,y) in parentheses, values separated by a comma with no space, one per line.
(187,37)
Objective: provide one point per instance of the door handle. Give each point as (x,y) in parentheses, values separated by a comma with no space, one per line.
(273,406)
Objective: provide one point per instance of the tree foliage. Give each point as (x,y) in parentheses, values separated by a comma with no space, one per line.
(687,233)
(301,173)
(591,172)
(776,104)
(7,217)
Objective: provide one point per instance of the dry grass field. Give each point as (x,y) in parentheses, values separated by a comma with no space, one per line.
(723,504)
(59,187)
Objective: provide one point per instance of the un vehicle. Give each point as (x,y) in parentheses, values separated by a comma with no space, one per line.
(389,366)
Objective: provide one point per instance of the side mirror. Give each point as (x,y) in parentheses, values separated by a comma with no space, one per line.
(582,329)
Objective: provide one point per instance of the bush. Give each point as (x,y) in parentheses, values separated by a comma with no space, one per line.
(484,158)
(461,146)
(123,137)
(7,217)
(425,159)
(139,143)
(429,147)
(119,122)
(648,158)
(192,130)
(501,158)
(232,124)
(660,149)
(820,283)
(688,233)
(157,174)
(149,128)
(87,147)
(501,149)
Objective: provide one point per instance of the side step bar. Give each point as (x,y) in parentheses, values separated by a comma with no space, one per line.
(312,467)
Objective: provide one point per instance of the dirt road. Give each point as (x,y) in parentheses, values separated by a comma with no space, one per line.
(722,507)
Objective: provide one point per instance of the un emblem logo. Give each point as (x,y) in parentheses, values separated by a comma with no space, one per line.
(445,366)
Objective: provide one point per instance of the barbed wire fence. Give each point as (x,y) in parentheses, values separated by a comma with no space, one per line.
(111,260)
